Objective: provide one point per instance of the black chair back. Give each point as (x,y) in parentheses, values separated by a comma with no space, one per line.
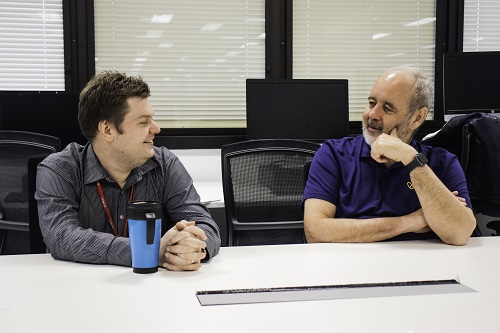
(16,147)
(37,245)
(263,182)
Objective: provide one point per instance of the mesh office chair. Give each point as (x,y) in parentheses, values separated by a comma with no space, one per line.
(263,183)
(37,245)
(16,147)
(475,139)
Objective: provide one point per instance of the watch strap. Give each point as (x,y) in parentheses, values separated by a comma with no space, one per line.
(419,160)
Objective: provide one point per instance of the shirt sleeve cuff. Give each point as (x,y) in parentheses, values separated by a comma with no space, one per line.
(119,252)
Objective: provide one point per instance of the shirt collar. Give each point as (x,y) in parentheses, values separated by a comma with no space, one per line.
(365,148)
(94,170)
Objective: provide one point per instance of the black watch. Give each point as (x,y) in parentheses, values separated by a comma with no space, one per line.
(419,160)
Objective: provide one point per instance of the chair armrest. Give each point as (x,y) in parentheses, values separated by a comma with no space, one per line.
(14,225)
(268,225)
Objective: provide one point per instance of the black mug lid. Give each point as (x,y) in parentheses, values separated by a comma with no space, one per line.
(138,209)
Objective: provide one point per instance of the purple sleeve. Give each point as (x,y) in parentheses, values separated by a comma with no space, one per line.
(453,177)
(323,181)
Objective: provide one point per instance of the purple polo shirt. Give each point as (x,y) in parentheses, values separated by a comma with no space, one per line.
(343,173)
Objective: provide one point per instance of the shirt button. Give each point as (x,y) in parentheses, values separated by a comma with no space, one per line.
(121,217)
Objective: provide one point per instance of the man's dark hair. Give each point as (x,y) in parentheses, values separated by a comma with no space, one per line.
(105,98)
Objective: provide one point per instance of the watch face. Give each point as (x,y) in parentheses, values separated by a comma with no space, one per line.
(421,158)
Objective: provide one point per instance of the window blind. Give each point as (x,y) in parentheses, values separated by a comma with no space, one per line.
(481,25)
(195,55)
(358,39)
(31,45)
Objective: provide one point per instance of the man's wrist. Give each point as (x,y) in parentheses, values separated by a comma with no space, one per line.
(419,160)
(409,155)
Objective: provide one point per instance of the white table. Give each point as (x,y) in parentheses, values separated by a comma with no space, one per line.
(40,294)
(211,193)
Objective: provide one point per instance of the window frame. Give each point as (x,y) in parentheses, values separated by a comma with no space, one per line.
(80,51)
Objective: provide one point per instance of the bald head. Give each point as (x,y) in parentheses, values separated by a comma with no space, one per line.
(422,89)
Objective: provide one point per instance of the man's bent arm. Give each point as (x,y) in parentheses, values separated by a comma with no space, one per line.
(446,216)
(59,224)
(321,226)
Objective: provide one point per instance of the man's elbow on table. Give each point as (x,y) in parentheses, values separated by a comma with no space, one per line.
(312,236)
(315,212)
(460,236)
(457,240)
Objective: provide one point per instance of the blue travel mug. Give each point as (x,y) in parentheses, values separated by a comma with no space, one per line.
(144,229)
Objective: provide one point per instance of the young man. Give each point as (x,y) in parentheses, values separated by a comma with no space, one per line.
(383,184)
(83,191)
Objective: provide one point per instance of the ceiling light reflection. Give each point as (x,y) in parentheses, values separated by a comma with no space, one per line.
(421,22)
(381,35)
(165,18)
(211,27)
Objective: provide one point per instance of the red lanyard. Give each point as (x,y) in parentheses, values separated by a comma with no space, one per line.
(108,214)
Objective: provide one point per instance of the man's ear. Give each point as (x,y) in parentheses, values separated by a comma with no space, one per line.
(105,129)
(419,117)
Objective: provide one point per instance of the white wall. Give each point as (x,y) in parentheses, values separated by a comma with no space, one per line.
(204,165)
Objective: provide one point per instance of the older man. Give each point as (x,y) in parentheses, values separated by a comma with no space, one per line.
(383,184)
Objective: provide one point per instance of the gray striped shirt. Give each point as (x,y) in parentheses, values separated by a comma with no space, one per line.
(72,218)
